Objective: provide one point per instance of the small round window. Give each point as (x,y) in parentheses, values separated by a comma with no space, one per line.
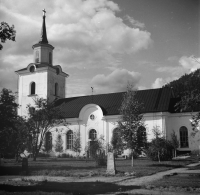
(92,117)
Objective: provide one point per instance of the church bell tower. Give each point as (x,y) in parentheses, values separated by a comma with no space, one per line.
(40,79)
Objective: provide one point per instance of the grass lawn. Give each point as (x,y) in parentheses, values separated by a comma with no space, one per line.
(71,188)
(73,167)
(179,180)
(81,168)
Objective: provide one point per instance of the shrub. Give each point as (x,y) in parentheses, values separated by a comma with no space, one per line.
(64,155)
(43,155)
(160,149)
(96,150)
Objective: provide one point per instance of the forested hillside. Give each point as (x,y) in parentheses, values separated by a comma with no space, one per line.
(186,84)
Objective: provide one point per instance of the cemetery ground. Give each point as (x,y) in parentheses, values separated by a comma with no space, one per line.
(80,176)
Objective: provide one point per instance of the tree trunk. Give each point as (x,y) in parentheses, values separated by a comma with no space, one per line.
(175,153)
(16,157)
(159,157)
(35,154)
(132,159)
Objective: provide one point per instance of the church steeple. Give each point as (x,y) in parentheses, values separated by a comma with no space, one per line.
(43,30)
(43,51)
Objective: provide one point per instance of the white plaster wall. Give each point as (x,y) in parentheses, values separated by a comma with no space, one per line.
(153,120)
(52,79)
(104,125)
(40,79)
(183,119)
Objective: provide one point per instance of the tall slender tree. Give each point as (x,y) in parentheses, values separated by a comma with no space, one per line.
(76,143)
(131,119)
(59,144)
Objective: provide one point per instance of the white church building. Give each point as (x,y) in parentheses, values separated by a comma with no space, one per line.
(96,115)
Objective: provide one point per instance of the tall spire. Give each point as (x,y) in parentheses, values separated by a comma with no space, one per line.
(43,31)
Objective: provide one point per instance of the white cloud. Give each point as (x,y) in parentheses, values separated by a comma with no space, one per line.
(85,33)
(116,81)
(186,65)
(159,82)
(189,63)
(134,22)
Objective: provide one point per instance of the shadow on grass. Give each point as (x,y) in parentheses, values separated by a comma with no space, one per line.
(10,170)
(72,187)
(167,165)
(17,170)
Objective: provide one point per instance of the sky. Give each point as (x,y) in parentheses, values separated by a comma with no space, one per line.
(105,44)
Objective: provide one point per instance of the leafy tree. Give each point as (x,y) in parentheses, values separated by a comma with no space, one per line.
(174,142)
(42,119)
(76,143)
(48,142)
(187,89)
(159,148)
(141,139)
(13,132)
(19,136)
(6,33)
(117,142)
(131,119)
(8,115)
(59,144)
(96,150)
(185,84)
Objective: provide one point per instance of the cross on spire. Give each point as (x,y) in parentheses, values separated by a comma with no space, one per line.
(44,12)
(43,31)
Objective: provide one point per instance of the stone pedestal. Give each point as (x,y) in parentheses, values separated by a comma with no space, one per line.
(111,170)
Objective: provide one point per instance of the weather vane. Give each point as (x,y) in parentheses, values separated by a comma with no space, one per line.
(92,89)
(44,12)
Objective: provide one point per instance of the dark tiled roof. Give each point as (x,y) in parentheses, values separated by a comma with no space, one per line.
(154,100)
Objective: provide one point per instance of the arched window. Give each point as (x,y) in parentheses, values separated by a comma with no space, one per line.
(92,134)
(48,141)
(184,137)
(32,69)
(37,56)
(56,89)
(69,139)
(50,58)
(32,88)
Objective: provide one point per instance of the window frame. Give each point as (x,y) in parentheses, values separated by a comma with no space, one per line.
(184,141)
(32,88)
(69,140)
